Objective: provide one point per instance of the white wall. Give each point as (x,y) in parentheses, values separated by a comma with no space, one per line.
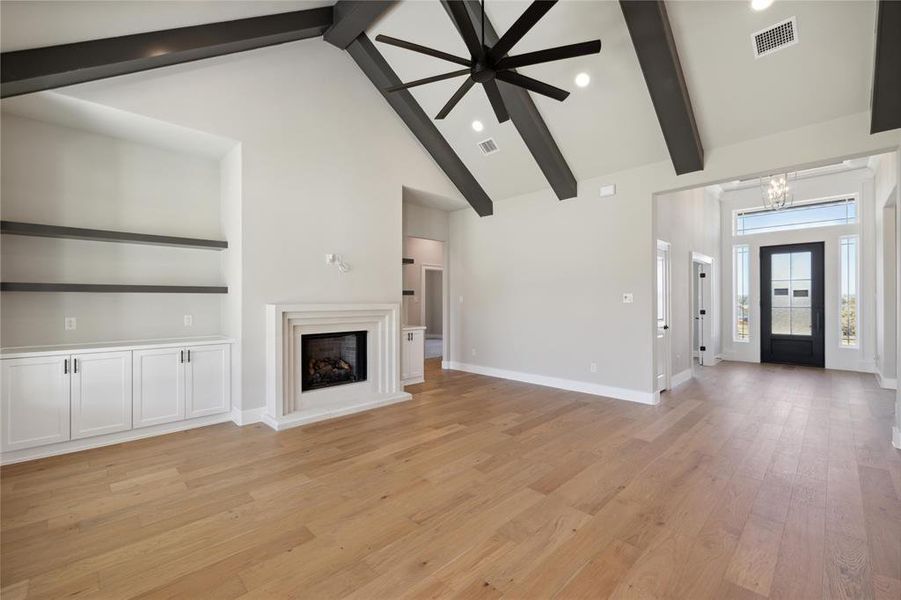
(324,162)
(425,221)
(859,183)
(690,222)
(537,288)
(62,176)
(232,262)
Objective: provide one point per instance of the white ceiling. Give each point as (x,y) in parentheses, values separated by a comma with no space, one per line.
(609,126)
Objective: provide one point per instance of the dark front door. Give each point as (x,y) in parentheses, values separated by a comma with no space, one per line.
(791,304)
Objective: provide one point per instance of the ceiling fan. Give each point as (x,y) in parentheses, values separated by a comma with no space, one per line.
(487,65)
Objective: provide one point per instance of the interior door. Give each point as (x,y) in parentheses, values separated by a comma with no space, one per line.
(791,304)
(101,393)
(662,342)
(703,317)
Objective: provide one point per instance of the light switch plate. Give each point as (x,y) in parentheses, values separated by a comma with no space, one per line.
(608,190)
(628,298)
(71,323)
(189,320)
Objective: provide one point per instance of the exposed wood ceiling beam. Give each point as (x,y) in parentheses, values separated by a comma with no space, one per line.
(353,17)
(886,102)
(526,118)
(652,37)
(376,68)
(26,71)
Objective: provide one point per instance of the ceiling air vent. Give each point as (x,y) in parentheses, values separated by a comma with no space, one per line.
(779,36)
(488,146)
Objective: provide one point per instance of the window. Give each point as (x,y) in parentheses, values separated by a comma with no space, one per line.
(823,213)
(848,300)
(741,285)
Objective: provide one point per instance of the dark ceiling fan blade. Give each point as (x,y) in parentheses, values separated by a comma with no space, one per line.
(460,16)
(426,80)
(497,102)
(455,98)
(385,39)
(523,24)
(551,54)
(533,85)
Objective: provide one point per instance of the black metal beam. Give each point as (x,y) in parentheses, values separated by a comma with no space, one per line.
(376,68)
(526,118)
(353,17)
(885,113)
(26,71)
(652,37)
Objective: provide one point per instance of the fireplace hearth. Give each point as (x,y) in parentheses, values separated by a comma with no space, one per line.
(330,359)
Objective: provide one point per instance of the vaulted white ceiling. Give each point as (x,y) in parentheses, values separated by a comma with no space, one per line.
(610,125)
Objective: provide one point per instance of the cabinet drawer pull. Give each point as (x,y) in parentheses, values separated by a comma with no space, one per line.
(65,366)
(181,356)
(189,356)
(75,365)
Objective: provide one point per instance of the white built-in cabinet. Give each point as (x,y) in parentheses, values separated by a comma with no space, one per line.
(35,399)
(100,393)
(52,398)
(412,355)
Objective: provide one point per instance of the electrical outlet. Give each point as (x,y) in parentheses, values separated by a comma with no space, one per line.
(593,367)
(628,298)
(473,351)
(71,323)
(189,320)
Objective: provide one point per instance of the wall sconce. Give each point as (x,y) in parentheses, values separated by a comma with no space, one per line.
(335,259)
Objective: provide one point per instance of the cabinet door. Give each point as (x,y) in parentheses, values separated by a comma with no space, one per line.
(35,401)
(404,355)
(417,354)
(158,390)
(208,381)
(101,393)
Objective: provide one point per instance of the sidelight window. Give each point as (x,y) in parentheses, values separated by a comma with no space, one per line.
(848,300)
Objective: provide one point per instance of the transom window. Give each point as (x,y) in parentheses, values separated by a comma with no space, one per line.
(822,213)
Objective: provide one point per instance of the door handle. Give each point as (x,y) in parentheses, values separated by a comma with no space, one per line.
(666,326)
(181,356)
(75,365)
(65,366)
(189,355)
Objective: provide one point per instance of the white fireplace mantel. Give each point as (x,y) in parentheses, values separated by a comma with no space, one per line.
(286,404)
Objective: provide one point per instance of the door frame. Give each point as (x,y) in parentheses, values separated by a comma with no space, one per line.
(667,318)
(817,317)
(710,313)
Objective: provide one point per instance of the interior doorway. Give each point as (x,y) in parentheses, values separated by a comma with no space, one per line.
(432,310)
(703,314)
(791,304)
(663,357)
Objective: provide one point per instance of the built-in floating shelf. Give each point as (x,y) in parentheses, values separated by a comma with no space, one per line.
(407,261)
(103,235)
(408,292)
(15,286)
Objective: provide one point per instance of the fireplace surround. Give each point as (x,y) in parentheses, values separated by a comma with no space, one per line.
(376,332)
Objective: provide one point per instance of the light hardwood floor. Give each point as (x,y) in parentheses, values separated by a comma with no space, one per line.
(748,482)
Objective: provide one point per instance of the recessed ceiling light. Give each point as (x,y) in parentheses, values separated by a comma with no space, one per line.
(477,126)
(761,4)
(582,79)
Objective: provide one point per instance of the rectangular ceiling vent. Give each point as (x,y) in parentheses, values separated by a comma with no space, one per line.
(488,146)
(775,38)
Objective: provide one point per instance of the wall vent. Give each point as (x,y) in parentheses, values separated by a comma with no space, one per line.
(488,146)
(772,39)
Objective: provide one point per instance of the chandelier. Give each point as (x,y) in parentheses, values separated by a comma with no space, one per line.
(776,192)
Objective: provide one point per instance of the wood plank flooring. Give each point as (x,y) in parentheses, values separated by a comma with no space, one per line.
(750,481)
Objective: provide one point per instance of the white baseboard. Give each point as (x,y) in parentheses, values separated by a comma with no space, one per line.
(896,437)
(559,383)
(680,378)
(305,417)
(247,417)
(886,383)
(16,456)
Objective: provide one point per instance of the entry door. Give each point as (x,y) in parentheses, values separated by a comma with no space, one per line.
(791,304)
(662,343)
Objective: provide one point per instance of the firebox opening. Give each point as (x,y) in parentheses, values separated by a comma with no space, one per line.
(329,359)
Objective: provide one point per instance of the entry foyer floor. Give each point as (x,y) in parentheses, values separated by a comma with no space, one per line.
(749,482)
